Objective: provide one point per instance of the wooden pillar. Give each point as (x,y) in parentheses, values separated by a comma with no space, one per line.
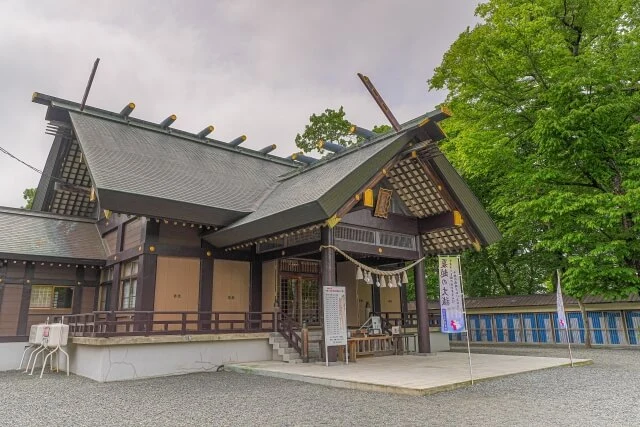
(623,319)
(25,300)
(376,306)
(147,269)
(147,272)
(205,294)
(255,288)
(404,304)
(424,343)
(328,278)
(76,307)
(114,303)
(3,274)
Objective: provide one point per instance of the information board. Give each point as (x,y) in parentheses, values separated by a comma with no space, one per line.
(335,315)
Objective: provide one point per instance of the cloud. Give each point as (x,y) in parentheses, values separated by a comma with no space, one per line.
(249,67)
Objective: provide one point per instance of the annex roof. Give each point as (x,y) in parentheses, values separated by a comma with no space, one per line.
(33,236)
(143,168)
(535,300)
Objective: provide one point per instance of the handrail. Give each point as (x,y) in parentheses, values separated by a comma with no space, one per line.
(145,323)
(410,319)
(287,328)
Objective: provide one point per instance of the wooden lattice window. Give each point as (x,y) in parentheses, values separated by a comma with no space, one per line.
(53,297)
(128,285)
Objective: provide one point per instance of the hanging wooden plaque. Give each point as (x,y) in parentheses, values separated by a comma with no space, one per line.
(383,203)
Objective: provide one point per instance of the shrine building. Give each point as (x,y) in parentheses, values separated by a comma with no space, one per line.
(146,238)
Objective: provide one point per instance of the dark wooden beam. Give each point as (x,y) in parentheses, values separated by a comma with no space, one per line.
(365,249)
(437,222)
(147,269)
(146,286)
(424,341)
(56,282)
(123,256)
(106,225)
(23,338)
(328,273)
(205,293)
(404,302)
(255,285)
(56,260)
(379,176)
(25,301)
(114,303)
(376,306)
(231,255)
(395,222)
(447,195)
(255,289)
(77,291)
(293,251)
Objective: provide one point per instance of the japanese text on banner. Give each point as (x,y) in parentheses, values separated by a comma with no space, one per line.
(451,297)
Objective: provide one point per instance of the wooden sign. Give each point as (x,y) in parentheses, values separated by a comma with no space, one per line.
(384,203)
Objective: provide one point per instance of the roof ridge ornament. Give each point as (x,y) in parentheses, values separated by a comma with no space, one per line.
(168,121)
(302,158)
(239,140)
(333,147)
(362,132)
(383,105)
(126,111)
(267,149)
(206,131)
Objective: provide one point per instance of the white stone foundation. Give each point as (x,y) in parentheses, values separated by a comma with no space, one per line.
(128,358)
(10,354)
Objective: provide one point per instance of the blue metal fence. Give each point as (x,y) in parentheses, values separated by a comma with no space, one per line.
(607,328)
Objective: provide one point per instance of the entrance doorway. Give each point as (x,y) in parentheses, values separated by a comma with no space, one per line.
(298,292)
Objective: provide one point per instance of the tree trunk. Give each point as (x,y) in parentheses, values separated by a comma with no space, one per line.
(585,321)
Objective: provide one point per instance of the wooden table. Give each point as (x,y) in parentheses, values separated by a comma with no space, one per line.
(377,345)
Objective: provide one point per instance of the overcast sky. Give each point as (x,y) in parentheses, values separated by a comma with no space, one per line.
(259,68)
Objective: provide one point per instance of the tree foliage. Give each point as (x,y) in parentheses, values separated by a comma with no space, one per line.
(545,96)
(29,195)
(332,126)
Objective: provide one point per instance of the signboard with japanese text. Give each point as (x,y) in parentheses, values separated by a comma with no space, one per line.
(335,315)
(562,318)
(451,297)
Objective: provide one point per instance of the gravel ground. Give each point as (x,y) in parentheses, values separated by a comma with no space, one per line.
(606,393)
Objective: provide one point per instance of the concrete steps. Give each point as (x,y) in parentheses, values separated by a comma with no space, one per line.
(282,350)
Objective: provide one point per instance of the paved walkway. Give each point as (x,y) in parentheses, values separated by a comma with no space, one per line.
(412,375)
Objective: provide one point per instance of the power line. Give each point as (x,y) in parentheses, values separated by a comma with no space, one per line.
(21,161)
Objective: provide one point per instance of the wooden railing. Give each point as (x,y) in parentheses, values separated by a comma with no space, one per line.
(408,320)
(146,323)
(289,329)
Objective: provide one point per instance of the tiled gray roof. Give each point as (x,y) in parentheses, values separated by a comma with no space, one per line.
(213,184)
(536,300)
(483,224)
(314,194)
(27,235)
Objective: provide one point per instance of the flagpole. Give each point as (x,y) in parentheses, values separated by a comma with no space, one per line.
(566,328)
(569,341)
(466,320)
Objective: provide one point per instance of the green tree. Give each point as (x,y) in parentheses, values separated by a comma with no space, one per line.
(29,195)
(544,96)
(332,126)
